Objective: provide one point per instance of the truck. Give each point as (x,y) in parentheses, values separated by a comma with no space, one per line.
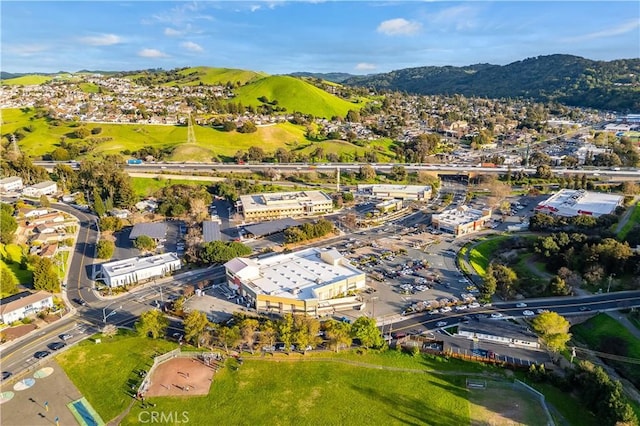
(134,161)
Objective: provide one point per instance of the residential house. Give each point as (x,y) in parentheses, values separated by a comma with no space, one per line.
(11,184)
(24,304)
(48,187)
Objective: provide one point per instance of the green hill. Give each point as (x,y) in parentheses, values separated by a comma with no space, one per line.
(43,137)
(295,95)
(208,75)
(28,80)
(572,80)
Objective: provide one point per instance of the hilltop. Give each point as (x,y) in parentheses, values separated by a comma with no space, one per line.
(571,80)
(294,95)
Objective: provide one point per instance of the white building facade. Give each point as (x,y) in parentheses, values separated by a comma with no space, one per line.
(398,192)
(570,203)
(300,282)
(136,269)
(11,184)
(48,187)
(23,305)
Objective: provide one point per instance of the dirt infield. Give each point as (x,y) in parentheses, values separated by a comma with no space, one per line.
(180,376)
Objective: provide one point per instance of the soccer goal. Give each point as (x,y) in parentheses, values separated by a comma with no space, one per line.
(476,384)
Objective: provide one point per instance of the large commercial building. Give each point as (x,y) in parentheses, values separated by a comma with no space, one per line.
(461,220)
(304,282)
(569,203)
(399,192)
(24,304)
(284,204)
(136,269)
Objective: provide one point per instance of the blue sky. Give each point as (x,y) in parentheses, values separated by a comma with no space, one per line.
(278,37)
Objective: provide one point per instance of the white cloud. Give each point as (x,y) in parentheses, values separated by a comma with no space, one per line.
(172,32)
(399,26)
(365,66)
(255,7)
(101,40)
(152,53)
(623,28)
(194,47)
(26,49)
(458,17)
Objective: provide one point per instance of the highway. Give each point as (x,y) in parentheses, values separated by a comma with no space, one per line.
(186,168)
(566,306)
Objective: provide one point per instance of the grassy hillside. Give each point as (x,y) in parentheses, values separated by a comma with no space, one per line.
(28,80)
(44,138)
(294,95)
(208,75)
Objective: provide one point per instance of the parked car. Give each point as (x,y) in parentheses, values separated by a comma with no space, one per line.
(66,336)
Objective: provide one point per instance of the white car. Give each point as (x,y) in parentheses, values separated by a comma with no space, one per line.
(521,305)
(496,315)
(441,323)
(474,305)
(528,313)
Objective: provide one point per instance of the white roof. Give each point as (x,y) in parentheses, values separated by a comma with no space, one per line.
(43,185)
(407,189)
(126,266)
(459,216)
(269,201)
(569,202)
(294,275)
(10,179)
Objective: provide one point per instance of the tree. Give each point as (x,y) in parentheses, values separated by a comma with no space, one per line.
(221,252)
(109,330)
(8,280)
(195,324)
(152,323)
(8,226)
(285,331)
(553,329)
(255,153)
(247,127)
(105,249)
(367,172)
(45,276)
(144,243)
(306,332)
(268,334)
(248,327)
(229,337)
(558,286)
(98,204)
(366,330)
(489,285)
(398,173)
(505,277)
(338,333)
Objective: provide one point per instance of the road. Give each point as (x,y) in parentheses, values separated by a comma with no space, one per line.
(566,306)
(185,168)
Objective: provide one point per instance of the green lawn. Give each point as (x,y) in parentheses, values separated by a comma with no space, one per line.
(569,407)
(314,393)
(633,220)
(144,187)
(480,256)
(12,256)
(605,334)
(102,371)
(28,80)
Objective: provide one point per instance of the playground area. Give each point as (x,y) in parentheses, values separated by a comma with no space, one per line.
(181,376)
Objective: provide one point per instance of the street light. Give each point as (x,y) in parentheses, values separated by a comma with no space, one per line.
(113,312)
